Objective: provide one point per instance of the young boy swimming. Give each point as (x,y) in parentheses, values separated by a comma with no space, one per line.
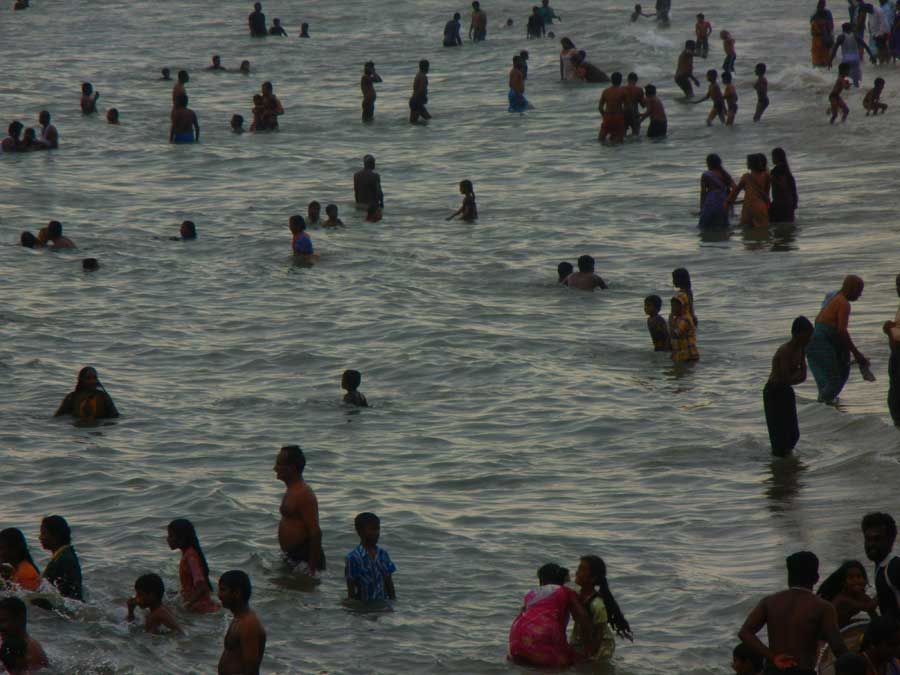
(148,594)
(350,381)
(656,325)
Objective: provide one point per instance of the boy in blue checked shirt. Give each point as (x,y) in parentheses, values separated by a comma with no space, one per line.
(368,568)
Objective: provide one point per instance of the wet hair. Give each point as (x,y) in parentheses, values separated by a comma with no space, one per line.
(466,185)
(15,128)
(183,74)
(247,63)
(17,547)
(152,585)
(632,77)
(616,78)
(331,209)
(743,653)
(364,519)
(615,618)
(239,581)
(650,90)
(297,222)
(14,654)
(457,16)
(655,301)
(585,263)
(267,86)
(681,278)
(878,519)
(564,269)
(850,664)
(566,43)
(726,77)
(524,54)
(760,68)
(16,608)
(779,156)
(90,265)
(315,204)
(58,528)
(30,134)
(834,584)
(237,119)
(369,162)
(185,537)
(353,378)
(216,58)
(54,229)
(423,64)
(295,456)
(757,162)
(881,629)
(801,326)
(551,573)
(165,72)
(28,240)
(83,373)
(803,568)
(476,4)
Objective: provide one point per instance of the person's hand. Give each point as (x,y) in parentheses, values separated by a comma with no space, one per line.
(784,661)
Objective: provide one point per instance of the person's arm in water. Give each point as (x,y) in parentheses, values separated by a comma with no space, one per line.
(172,128)
(585,625)
(843,327)
(754,623)
(599,283)
(196,128)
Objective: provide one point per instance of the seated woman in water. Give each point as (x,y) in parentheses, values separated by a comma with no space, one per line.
(538,635)
(598,600)
(193,570)
(845,588)
(715,184)
(16,565)
(89,401)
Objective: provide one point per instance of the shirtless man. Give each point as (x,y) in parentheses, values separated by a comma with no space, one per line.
(245,641)
(216,64)
(419,97)
(185,127)
(367,185)
(49,134)
(585,279)
(478,26)
(714,93)
(656,112)
(684,73)
(367,85)
(54,236)
(612,102)
(795,619)
(788,369)
(178,89)
(257,21)
(271,103)
(298,532)
(634,96)
(762,91)
(14,624)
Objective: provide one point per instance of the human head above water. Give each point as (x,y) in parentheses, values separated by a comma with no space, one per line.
(653,301)
(188,230)
(296,224)
(28,240)
(650,90)
(364,520)
(801,326)
(424,65)
(551,573)
(350,380)
(56,532)
(757,162)
(566,43)
(632,78)
(681,278)
(564,269)
(760,69)
(112,116)
(90,265)
(238,581)
(369,162)
(15,616)
(166,73)
(879,530)
(87,379)
(151,586)
(586,264)
(13,546)
(54,229)
(183,76)
(293,456)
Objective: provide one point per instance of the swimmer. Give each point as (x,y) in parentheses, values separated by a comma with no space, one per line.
(90,265)
(611,105)
(28,240)
(585,279)
(186,232)
(373,213)
(14,629)
(112,116)
(714,94)
(55,236)
(148,594)
(563,270)
(333,221)
(350,382)
(682,333)
(257,21)
(452,37)
(185,127)
(277,28)
(731,99)
(89,401)
(12,142)
(835,100)
(872,101)
(586,71)
(368,569)
(702,29)
(367,185)
(304,30)
(178,89)
(638,13)
(245,640)
(762,91)
(166,75)
(478,25)
(237,124)
(779,402)
(633,97)
(684,73)
(730,53)
(88,98)
(367,85)
(193,570)
(301,244)
(659,124)
(468,210)
(245,68)
(851,47)
(298,532)
(313,212)
(516,96)
(656,325)
(419,97)
(216,63)
(49,135)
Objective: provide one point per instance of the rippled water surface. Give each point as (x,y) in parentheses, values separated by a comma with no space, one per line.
(513,422)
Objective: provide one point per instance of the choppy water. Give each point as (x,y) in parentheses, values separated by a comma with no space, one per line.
(513,422)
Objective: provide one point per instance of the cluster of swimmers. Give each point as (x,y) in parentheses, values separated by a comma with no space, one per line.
(257,24)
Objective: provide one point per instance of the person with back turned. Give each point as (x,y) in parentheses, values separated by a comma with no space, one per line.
(788,369)
(298,532)
(367,185)
(795,619)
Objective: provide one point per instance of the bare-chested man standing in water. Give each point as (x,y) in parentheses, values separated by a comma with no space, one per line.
(795,619)
(612,107)
(245,641)
(298,532)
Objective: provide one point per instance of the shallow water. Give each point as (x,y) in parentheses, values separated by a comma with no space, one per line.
(513,422)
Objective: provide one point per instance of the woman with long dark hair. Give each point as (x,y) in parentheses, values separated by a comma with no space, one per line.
(89,401)
(16,563)
(193,570)
(845,588)
(606,616)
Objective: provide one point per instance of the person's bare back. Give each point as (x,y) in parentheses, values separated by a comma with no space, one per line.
(612,101)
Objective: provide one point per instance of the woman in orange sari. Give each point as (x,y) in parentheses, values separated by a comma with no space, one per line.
(755,186)
(821,28)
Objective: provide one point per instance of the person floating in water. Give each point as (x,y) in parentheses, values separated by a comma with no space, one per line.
(63,570)
(563,270)
(331,210)
(185,127)
(779,402)
(762,91)
(350,381)
(517,101)
(277,28)
(89,401)
(193,570)
(90,265)
(585,279)
(656,325)
(17,568)
(368,569)
(112,116)
(684,72)
(304,30)
(452,38)
(244,68)
(419,97)
(612,102)
(149,592)
(845,588)
(468,211)
(187,231)
(245,640)
(52,236)
(257,21)
(478,25)
(367,185)
(659,124)
(367,84)
(298,532)
(88,99)
(796,620)
(872,100)
(829,350)
(892,330)
(14,632)
(606,616)
(216,63)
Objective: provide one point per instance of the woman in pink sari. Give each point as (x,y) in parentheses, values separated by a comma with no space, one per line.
(538,635)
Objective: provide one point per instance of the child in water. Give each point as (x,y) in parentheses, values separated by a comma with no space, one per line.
(601,606)
(683,334)
(332,221)
(148,594)
(836,101)
(872,101)
(745,661)
(193,571)
(656,325)
(88,99)
(237,124)
(563,270)
(350,381)
(277,28)
(714,94)
(731,99)
(112,116)
(368,569)
(468,210)
(730,53)
(762,91)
